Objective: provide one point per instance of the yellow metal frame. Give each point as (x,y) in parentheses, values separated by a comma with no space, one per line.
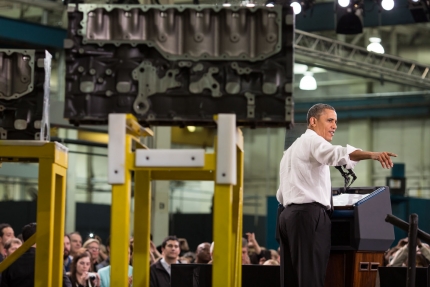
(53,161)
(227,230)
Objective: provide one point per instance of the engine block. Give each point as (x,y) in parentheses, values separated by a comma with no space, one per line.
(22,78)
(180,65)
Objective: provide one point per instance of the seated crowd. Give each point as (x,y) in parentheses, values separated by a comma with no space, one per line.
(87,264)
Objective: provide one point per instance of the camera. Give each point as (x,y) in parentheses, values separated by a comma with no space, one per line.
(92,276)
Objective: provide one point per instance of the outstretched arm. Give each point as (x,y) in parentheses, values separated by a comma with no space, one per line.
(383,157)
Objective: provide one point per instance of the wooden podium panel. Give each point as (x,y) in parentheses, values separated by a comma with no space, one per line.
(353,268)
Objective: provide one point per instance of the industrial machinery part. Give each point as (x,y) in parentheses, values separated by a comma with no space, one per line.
(22,77)
(180,65)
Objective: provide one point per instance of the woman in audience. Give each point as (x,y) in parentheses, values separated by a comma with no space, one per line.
(93,246)
(79,271)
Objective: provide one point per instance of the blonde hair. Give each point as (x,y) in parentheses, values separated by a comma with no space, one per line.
(89,241)
(11,241)
(271,262)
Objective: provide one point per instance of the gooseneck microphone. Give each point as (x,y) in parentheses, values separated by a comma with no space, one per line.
(348,175)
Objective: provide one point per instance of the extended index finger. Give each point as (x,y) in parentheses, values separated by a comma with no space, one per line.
(392,154)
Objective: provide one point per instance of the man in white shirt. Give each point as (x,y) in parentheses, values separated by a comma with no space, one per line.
(305,191)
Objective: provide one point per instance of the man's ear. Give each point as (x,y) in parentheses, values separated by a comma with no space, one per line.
(312,121)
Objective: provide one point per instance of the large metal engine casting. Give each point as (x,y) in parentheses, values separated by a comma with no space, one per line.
(22,77)
(179,65)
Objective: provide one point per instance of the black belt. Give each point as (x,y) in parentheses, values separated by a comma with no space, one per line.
(313,203)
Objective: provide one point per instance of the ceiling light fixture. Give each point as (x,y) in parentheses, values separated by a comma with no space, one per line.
(191,129)
(296,7)
(375,45)
(308,82)
(343,3)
(387,4)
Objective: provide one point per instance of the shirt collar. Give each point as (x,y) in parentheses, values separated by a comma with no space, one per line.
(310,132)
(166,265)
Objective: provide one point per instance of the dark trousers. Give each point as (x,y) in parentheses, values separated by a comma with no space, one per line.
(305,245)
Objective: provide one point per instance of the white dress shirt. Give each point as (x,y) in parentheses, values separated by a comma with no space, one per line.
(166,265)
(304,169)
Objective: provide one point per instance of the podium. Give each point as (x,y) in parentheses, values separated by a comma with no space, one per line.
(359,235)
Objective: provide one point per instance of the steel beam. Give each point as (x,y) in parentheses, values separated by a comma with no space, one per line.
(31,33)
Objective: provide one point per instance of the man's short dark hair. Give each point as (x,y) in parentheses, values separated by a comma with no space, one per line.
(169,238)
(74,232)
(3,226)
(244,242)
(316,110)
(28,231)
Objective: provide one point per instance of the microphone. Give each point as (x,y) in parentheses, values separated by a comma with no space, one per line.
(346,176)
(352,174)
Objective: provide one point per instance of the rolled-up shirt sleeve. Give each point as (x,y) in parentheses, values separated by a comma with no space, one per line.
(333,155)
(350,163)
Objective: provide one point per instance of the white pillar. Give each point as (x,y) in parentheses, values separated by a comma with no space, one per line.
(160,191)
(360,136)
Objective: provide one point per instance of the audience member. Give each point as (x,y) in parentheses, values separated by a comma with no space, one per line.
(93,246)
(183,246)
(211,252)
(189,257)
(6,233)
(12,245)
(203,253)
(105,271)
(245,256)
(106,262)
(75,243)
(103,254)
(160,271)
(400,258)
(390,253)
(274,254)
(154,254)
(79,271)
(260,254)
(66,253)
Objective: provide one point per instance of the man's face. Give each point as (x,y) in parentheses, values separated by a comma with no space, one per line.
(203,252)
(172,250)
(7,234)
(13,247)
(66,246)
(325,125)
(245,256)
(76,243)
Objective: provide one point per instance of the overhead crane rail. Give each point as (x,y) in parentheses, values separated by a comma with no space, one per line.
(328,53)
